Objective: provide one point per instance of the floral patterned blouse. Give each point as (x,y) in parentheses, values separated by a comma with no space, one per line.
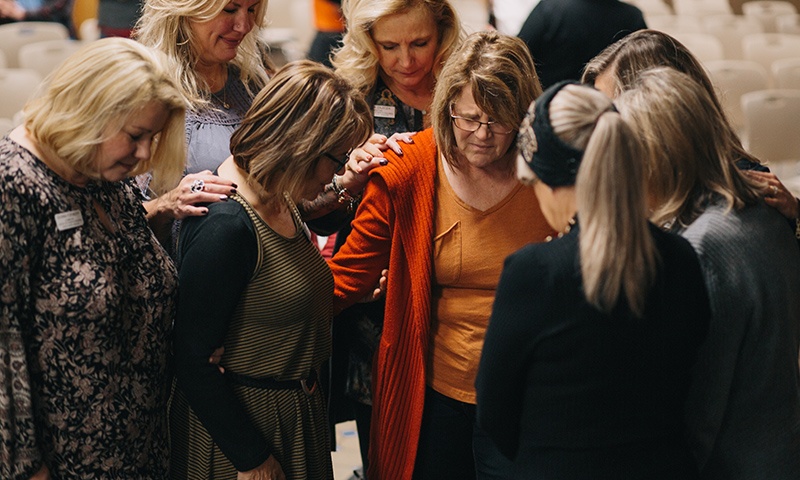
(85,320)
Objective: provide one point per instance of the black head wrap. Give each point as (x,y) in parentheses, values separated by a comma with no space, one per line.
(554,162)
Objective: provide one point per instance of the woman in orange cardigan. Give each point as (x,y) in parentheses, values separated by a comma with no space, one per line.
(442,218)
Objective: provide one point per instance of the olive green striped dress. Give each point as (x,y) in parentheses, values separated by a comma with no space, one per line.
(280,330)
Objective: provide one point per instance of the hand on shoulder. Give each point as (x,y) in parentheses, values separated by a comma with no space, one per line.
(190,197)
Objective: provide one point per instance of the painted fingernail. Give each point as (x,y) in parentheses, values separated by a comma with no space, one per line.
(204,212)
(384,161)
(235,186)
(233,191)
(399,151)
(223,198)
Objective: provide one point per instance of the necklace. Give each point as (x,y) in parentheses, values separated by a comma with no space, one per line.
(224,99)
(570,224)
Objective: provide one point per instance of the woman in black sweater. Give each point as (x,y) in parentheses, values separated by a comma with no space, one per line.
(587,358)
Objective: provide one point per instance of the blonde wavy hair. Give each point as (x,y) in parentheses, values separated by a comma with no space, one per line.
(500,71)
(617,253)
(91,96)
(166,26)
(357,59)
(305,111)
(687,144)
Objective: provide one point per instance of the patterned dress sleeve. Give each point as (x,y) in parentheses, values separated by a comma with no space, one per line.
(19,453)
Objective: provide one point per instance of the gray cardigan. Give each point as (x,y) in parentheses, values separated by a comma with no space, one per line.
(744,404)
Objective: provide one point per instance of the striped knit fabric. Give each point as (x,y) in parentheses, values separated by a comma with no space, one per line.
(281,330)
(396,220)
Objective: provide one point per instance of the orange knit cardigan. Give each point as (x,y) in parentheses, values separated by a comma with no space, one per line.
(393,229)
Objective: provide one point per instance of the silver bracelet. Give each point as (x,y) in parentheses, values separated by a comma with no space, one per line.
(344,196)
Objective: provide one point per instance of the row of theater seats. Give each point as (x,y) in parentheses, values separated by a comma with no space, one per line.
(756,8)
(753,58)
(28,52)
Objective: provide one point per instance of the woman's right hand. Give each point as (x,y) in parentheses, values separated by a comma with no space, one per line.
(269,470)
(369,156)
(184,201)
(776,195)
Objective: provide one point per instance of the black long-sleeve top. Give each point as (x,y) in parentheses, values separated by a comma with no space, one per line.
(568,390)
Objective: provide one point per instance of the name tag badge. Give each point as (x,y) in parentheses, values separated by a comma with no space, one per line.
(384,111)
(68,220)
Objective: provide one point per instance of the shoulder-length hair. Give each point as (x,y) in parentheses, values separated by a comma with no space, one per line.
(645,49)
(500,71)
(306,110)
(687,143)
(91,96)
(166,26)
(357,59)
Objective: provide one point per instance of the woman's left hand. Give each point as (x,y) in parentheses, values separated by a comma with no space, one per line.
(393,142)
(216,357)
(380,290)
(777,195)
(269,470)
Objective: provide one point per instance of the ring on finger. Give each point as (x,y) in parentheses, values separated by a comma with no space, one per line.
(774,190)
(197,186)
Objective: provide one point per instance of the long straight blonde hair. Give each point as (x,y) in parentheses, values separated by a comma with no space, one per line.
(617,252)
(688,146)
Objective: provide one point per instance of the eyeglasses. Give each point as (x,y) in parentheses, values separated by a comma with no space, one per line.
(340,162)
(470,125)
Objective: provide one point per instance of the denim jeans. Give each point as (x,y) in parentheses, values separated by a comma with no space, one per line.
(451,446)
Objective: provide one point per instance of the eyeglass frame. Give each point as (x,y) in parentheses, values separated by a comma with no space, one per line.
(489,124)
(340,164)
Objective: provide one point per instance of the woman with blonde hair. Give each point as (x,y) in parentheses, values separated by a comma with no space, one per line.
(743,412)
(393,52)
(221,66)
(587,359)
(89,295)
(617,67)
(360,55)
(253,282)
(442,218)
